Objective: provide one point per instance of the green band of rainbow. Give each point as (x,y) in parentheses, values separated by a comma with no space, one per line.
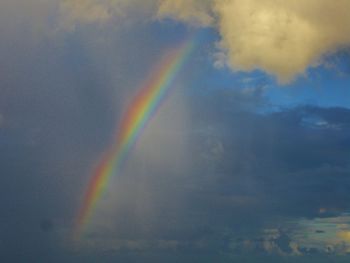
(135,118)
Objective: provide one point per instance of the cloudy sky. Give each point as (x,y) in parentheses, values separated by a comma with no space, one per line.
(246,158)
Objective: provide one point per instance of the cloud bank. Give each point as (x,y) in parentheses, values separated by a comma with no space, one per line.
(282,38)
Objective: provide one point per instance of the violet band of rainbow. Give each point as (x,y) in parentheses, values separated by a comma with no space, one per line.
(134,119)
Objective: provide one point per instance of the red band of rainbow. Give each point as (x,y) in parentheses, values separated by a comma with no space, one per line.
(138,113)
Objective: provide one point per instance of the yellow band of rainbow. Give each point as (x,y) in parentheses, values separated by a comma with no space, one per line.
(133,121)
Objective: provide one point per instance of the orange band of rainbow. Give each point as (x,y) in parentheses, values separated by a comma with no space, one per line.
(137,115)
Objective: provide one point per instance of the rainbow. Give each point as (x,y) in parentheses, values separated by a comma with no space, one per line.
(135,118)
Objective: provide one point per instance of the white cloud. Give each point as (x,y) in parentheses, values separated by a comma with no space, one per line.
(281,37)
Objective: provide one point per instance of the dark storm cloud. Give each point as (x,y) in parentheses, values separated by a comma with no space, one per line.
(55,107)
(60,99)
(292,162)
(247,168)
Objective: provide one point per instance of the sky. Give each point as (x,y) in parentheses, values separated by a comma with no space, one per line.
(245,159)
